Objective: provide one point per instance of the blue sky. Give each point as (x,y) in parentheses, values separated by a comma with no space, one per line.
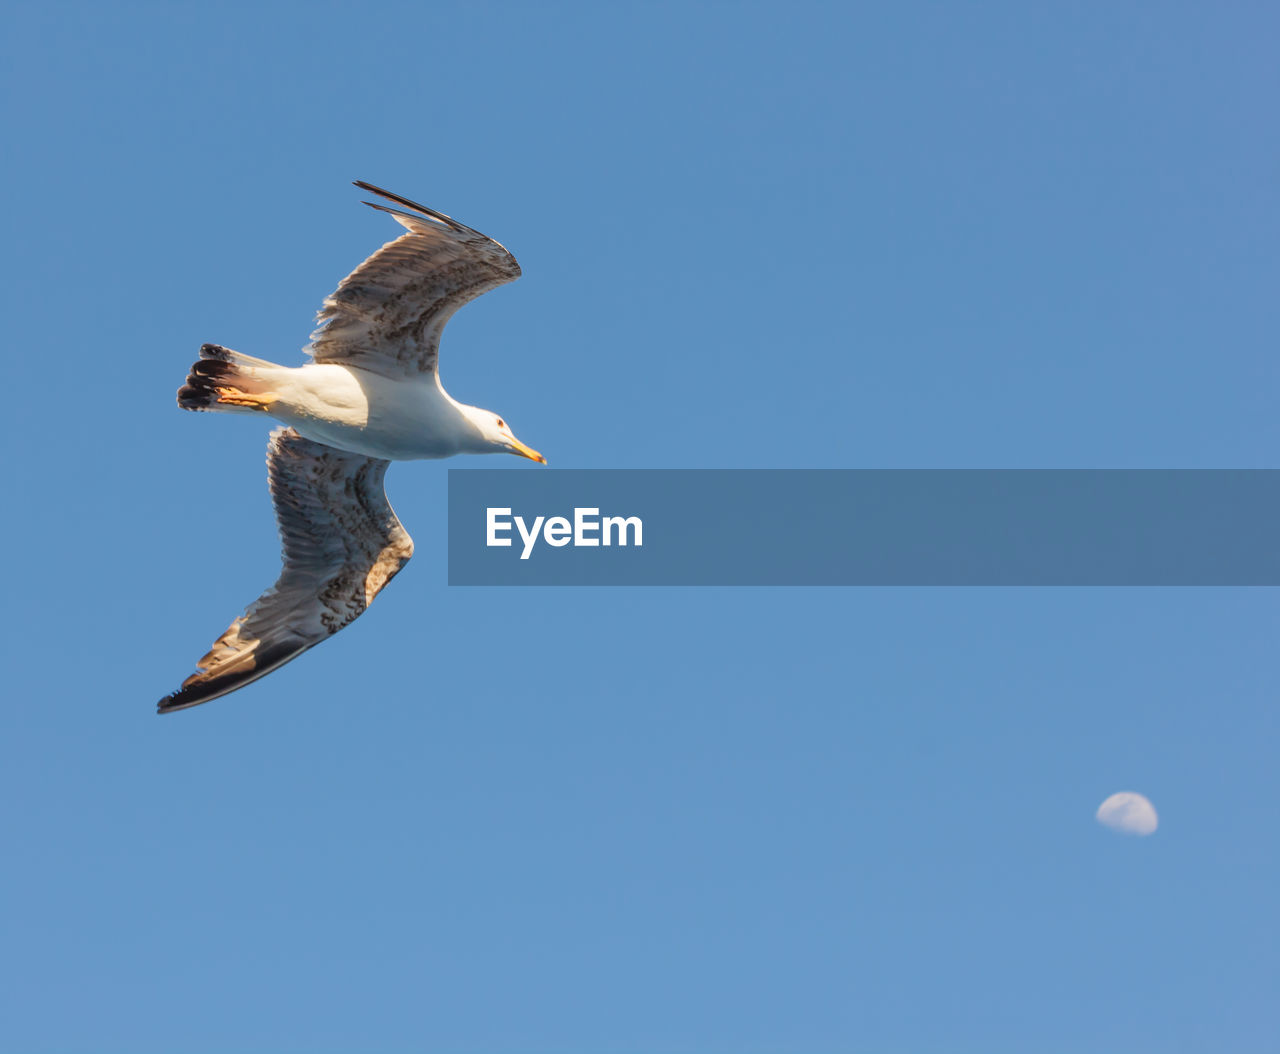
(895,235)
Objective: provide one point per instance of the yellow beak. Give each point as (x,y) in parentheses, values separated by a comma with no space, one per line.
(525,451)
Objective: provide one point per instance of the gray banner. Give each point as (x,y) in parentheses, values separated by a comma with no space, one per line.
(864,527)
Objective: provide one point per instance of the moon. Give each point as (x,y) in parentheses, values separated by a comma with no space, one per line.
(1129,813)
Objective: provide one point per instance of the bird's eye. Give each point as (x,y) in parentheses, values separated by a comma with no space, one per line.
(502,423)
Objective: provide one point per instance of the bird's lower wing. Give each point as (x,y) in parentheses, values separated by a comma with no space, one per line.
(341,543)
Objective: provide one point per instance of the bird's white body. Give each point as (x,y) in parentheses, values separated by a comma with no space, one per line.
(365,413)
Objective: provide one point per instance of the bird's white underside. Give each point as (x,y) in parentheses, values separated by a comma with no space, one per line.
(353,409)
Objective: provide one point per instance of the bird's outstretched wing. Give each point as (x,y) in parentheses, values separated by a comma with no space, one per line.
(341,543)
(387,315)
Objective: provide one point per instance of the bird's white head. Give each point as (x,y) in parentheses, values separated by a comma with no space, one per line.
(495,435)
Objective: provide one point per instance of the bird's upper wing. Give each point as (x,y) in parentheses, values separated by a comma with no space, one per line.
(388,313)
(341,543)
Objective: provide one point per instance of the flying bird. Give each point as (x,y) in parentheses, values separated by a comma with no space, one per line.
(371,395)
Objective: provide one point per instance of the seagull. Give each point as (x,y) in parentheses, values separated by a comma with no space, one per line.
(371,395)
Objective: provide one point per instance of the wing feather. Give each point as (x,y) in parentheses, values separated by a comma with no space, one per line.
(388,314)
(340,544)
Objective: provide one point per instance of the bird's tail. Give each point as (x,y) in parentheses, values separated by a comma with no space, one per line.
(227,381)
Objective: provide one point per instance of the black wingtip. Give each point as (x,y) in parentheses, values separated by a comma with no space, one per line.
(408,203)
(381,192)
(205,691)
(175,701)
